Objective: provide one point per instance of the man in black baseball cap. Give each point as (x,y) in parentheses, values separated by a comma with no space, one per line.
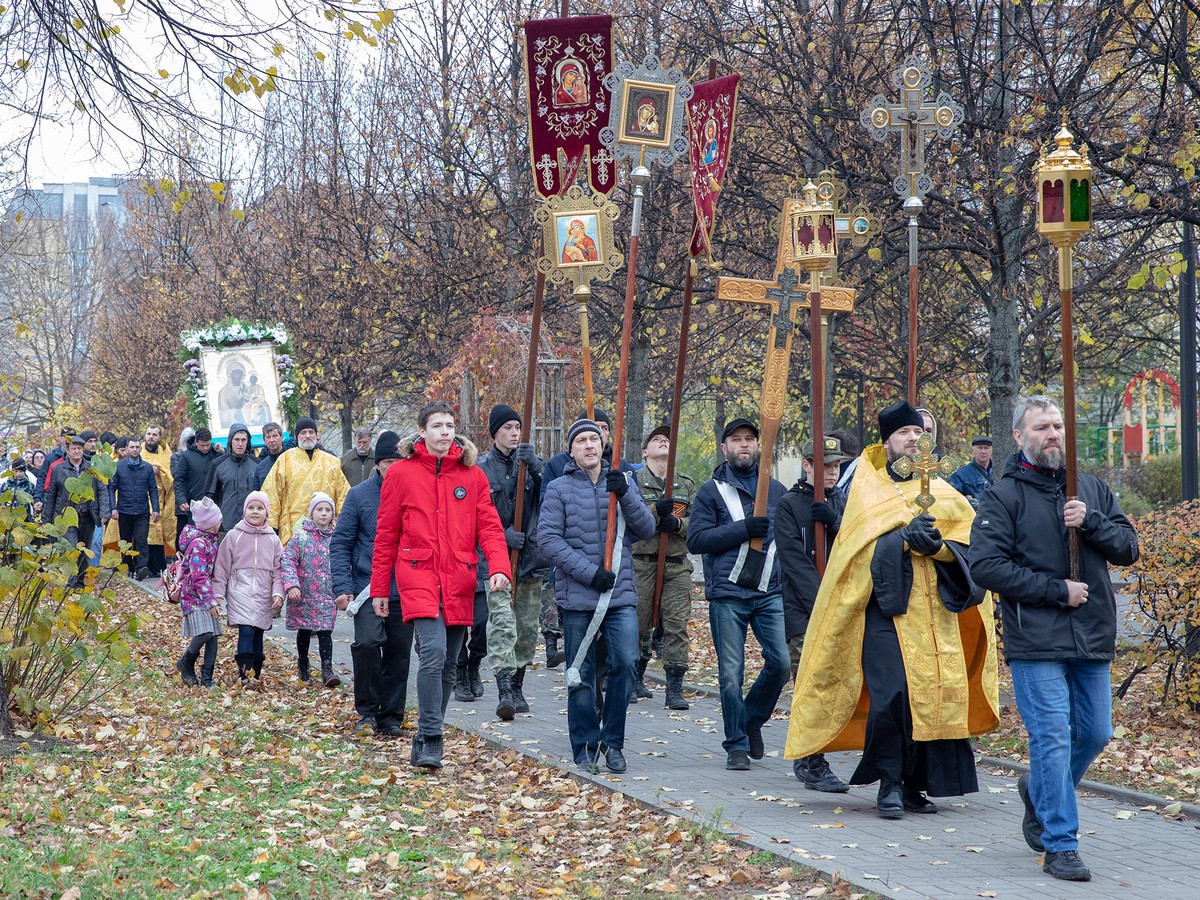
(975,477)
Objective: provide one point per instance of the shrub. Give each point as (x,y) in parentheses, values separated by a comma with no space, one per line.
(53,641)
(1163,478)
(1166,586)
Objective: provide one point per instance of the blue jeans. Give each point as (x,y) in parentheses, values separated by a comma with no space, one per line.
(729,620)
(1066,705)
(620,631)
(250,642)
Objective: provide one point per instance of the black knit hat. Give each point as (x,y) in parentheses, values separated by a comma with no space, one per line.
(581,426)
(500,415)
(896,416)
(107,437)
(306,422)
(600,416)
(87,435)
(387,446)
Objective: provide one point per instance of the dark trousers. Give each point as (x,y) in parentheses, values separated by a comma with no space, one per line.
(156,559)
(380,653)
(474,648)
(82,534)
(250,643)
(136,530)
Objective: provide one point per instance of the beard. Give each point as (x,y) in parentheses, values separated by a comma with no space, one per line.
(1051,458)
(152,446)
(742,464)
(307,445)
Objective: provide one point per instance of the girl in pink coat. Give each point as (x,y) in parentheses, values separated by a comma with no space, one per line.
(197,601)
(249,582)
(308,581)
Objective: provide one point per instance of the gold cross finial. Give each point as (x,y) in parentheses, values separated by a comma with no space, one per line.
(925,463)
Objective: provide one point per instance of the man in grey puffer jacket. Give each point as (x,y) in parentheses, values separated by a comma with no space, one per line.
(571,534)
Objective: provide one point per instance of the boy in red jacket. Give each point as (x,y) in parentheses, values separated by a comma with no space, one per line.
(435,506)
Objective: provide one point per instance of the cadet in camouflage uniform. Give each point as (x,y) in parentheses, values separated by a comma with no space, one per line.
(671,515)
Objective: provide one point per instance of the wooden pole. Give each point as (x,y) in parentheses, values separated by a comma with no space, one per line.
(913,206)
(816,343)
(1066,285)
(640,176)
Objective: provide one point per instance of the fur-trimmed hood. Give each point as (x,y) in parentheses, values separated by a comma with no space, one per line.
(468,457)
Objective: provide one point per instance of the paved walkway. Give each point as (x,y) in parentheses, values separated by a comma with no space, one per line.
(973,847)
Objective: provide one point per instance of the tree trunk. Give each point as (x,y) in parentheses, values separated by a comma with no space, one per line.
(635,397)
(346,415)
(6,723)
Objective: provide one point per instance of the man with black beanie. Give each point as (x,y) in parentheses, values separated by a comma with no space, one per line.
(508,619)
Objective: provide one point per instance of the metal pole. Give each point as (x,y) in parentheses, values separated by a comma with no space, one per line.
(913,207)
(582,295)
(640,176)
(1187,366)
(1066,284)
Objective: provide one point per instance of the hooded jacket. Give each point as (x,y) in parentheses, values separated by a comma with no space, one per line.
(353,542)
(306,566)
(432,514)
(191,473)
(248,574)
(572,531)
(230,481)
(1019,552)
(714,533)
(501,472)
(295,477)
(795,538)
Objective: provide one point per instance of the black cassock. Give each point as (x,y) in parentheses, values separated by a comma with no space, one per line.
(941,768)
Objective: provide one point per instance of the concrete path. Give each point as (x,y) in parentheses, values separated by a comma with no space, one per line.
(972,848)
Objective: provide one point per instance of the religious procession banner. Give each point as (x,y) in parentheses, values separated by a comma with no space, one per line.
(711,114)
(566,63)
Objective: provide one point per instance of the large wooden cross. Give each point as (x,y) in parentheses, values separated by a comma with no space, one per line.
(785,298)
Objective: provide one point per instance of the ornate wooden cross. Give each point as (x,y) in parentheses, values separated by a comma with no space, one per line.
(785,298)
(925,464)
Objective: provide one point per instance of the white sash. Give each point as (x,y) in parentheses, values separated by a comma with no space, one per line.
(733,502)
(573,679)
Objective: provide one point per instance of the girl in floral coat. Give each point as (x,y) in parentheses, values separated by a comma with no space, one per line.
(308,581)
(197,600)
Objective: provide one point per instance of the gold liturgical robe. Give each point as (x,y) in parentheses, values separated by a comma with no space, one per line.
(949,659)
(162,532)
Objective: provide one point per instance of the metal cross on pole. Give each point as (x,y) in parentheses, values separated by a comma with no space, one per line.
(916,122)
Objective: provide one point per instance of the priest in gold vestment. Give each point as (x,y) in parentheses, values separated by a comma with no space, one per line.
(900,656)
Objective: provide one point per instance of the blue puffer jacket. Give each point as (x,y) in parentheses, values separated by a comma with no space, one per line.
(972,480)
(571,533)
(353,543)
(713,533)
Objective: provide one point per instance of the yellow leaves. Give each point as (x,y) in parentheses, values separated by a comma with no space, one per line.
(23,65)
(163,73)
(217,188)
(81,106)
(239,215)
(278,50)
(320,56)
(385,18)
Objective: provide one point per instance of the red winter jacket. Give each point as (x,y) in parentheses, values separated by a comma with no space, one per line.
(432,513)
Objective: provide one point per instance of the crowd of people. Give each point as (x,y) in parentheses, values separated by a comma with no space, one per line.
(892,647)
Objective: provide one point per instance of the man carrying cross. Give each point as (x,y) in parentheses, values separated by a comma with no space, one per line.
(900,653)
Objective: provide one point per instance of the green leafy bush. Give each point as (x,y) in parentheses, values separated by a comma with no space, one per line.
(53,640)
(1166,585)
(1163,478)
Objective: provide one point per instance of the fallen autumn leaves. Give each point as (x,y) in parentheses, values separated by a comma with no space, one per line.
(165,790)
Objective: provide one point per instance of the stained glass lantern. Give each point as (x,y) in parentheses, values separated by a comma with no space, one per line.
(814,231)
(1064,186)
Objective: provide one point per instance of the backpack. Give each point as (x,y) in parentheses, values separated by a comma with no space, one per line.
(173,581)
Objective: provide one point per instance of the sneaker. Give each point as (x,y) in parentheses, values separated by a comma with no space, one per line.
(1031,828)
(814,771)
(429,756)
(366,725)
(614,760)
(737,761)
(754,735)
(916,802)
(391,729)
(890,803)
(142,574)
(1066,866)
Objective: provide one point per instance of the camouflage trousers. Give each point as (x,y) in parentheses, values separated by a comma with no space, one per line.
(512,624)
(549,618)
(675,609)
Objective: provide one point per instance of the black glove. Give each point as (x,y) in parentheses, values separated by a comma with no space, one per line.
(922,536)
(514,539)
(664,507)
(603,580)
(756,526)
(824,513)
(668,525)
(616,483)
(525,453)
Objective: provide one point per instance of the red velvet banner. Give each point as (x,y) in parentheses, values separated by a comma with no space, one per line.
(711,114)
(566,61)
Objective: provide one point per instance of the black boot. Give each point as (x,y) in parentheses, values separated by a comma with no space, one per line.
(506,708)
(640,691)
(462,687)
(245,666)
(328,676)
(554,656)
(302,669)
(675,688)
(473,679)
(520,704)
(186,667)
(206,674)
(430,754)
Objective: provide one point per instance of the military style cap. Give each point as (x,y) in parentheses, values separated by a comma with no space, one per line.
(833,450)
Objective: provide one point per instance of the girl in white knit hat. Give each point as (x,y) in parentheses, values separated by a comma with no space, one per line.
(308,582)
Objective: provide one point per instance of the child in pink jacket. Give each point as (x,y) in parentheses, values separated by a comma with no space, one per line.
(197,602)
(249,581)
(308,581)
